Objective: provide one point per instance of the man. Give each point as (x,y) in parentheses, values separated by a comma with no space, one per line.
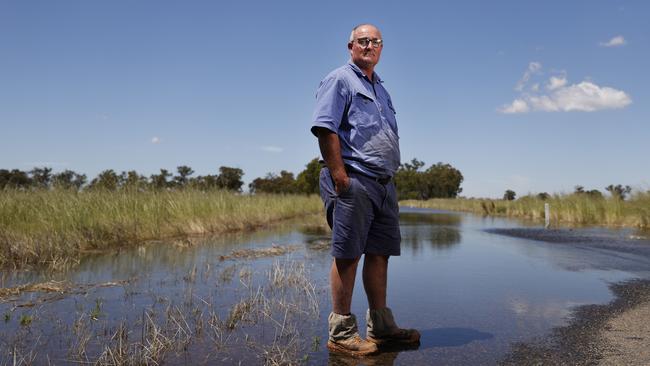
(354,121)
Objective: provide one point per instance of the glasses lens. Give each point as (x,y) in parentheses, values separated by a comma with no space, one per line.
(377,42)
(363,42)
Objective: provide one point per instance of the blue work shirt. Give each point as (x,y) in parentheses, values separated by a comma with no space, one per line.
(361,112)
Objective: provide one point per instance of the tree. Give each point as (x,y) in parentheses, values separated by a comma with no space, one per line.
(618,191)
(308,181)
(543,196)
(68,179)
(272,183)
(107,179)
(230,178)
(509,195)
(159,181)
(131,180)
(579,190)
(14,179)
(438,181)
(41,177)
(184,171)
(443,181)
(410,181)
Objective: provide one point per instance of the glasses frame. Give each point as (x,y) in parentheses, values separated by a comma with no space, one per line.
(375,42)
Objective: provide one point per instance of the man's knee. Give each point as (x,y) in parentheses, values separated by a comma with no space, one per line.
(346,263)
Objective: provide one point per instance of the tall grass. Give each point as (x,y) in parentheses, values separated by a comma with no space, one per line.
(572,209)
(49,227)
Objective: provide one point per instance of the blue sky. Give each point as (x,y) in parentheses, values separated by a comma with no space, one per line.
(522,95)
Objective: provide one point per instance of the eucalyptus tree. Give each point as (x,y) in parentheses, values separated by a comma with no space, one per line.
(184,172)
(68,179)
(618,191)
(41,177)
(509,195)
(230,178)
(159,181)
(107,180)
(307,181)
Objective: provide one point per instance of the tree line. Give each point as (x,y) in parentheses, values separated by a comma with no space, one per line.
(412,181)
(43,178)
(617,191)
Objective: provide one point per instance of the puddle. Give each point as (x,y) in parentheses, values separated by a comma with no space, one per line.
(264,296)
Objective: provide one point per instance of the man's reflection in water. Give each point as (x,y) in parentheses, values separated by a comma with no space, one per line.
(381,359)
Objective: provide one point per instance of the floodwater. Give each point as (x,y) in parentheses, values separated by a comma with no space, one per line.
(473,286)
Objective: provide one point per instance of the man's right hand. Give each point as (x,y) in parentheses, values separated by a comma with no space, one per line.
(330,148)
(341,183)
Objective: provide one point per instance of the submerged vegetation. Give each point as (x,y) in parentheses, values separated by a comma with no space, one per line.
(258,318)
(576,208)
(57,226)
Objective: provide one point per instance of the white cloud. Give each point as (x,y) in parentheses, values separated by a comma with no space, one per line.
(517,106)
(555,82)
(156,140)
(614,42)
(272,149)
(533,68)
(585,96)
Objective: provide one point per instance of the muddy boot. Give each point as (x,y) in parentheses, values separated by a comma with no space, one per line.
(344,336)
(382,329)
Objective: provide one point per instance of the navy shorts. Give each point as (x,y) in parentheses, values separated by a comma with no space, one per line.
(364,219)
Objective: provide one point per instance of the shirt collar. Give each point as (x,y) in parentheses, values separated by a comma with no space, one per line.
(359,72)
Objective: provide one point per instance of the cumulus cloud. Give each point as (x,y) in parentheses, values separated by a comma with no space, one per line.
(517,106)
(614,42)
(533,68)
(272,149)
(556,82)
(561,96)
(156,140)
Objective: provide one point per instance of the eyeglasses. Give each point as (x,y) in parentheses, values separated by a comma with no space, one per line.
(364,42)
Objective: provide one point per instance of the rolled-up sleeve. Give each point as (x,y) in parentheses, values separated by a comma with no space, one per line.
(330,104)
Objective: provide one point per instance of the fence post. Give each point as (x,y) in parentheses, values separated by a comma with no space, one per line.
(547,215)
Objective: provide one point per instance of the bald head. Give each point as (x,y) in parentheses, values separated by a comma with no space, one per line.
(352,34)
(365,47)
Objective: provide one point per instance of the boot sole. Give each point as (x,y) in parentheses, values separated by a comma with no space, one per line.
(340,349)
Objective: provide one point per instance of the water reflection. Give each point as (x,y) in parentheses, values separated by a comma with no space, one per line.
(382,359)
(451,337)
(440,231)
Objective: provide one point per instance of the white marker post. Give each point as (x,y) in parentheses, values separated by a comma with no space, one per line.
(547,215)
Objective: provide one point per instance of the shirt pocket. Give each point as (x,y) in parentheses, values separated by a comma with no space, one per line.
(363,110)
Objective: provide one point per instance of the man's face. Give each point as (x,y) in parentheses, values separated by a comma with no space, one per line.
(365,57)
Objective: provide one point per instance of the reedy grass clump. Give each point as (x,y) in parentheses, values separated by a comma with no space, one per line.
(580,209)
(56,226)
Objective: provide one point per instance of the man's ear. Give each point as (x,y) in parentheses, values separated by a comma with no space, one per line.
(349,45)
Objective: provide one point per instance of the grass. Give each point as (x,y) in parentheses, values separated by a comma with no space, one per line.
(565,209)
(56,227)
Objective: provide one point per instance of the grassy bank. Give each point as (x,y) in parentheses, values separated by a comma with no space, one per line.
(50,227)
(568,209)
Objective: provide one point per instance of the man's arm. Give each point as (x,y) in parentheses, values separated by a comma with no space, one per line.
(330,148)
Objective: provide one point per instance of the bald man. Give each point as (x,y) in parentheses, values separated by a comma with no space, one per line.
(355,123)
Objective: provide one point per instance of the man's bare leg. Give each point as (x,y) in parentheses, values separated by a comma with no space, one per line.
(382,328)
(375,273)
(342,276)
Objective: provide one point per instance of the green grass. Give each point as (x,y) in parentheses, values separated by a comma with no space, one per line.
(567,209)
(54,227)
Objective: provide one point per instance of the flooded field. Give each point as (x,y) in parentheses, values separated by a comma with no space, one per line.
(473,286)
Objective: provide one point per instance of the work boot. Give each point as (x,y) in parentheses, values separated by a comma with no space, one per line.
(382,329)
(344,336)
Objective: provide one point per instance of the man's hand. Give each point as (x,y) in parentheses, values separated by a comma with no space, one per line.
(330,148)
(341,183)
